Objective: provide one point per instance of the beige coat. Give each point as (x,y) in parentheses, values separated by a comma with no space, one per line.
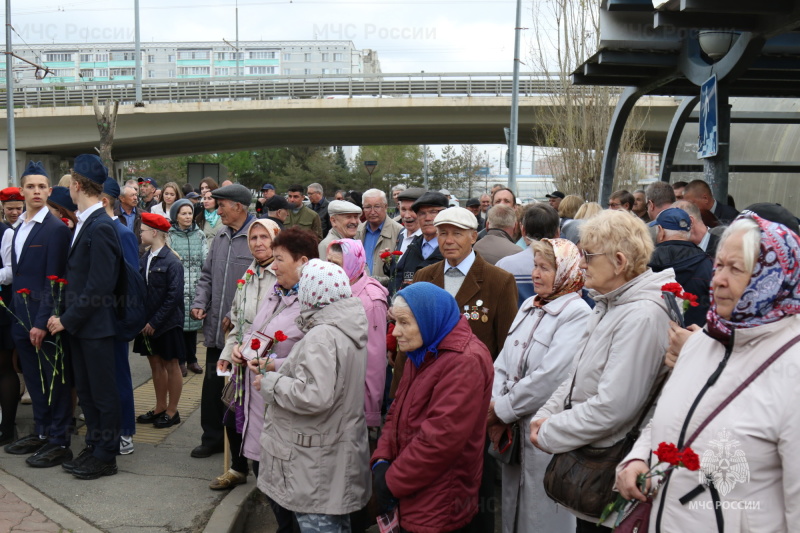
(388,239)
(750,448)
(618,360)
(315,455)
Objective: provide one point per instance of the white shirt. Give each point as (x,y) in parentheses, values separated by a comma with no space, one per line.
(408,238)
(150,257)
(6,276)
(25,228)
(704,241)
(82,216)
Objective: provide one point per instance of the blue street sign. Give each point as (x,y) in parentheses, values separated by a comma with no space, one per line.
(708,139)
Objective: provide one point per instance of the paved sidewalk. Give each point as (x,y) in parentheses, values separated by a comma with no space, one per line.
(16,515)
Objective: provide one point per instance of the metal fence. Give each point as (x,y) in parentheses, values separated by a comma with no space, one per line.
(281,87)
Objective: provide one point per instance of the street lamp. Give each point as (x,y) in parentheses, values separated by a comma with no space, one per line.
(370,166)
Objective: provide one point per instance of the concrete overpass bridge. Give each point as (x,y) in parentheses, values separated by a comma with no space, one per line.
(222,114)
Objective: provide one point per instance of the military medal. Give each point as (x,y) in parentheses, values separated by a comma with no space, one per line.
(466,312)
(485,317)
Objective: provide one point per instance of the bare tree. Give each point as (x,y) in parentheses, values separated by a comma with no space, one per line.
(566,32)
(107,126)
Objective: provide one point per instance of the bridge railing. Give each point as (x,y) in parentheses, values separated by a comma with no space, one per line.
(282,87)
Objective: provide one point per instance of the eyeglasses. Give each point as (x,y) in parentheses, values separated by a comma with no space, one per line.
(614,205)
(429,212)
(373,207)
(588,256)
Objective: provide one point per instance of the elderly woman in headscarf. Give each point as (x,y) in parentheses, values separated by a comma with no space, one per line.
(255,301)
(315,455)
(535,360)
(749,475)
(429,458)
(350,255)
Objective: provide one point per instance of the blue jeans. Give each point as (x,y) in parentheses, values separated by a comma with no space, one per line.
(323,523)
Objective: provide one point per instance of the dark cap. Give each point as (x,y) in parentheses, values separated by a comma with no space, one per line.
(234,192)
(60,196)
(111,188)
(276,202)
(412,194)
(673,218)
(555,194)
(91,167)
(34,168)
(191,194)
(151,181)
(473,202)
(268,186)
(775,213)
(431,198)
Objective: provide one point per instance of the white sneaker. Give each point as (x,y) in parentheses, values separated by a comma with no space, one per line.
(26,399)
(125,445)
(82,417)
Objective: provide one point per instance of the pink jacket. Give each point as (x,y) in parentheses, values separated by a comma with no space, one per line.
(285,322)
(373,296)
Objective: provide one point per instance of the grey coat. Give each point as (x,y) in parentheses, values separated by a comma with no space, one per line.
(536,358)
(314,450)
(227,261)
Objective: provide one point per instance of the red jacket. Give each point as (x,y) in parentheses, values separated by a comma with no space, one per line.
(435,434)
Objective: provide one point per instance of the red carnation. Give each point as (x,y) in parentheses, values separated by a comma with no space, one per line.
(24,292)
(690,459)
(61,281)
(255,344)
(668,453)
(65,221)
(52,278)
(240,282)
(674,288)
(397,252)
(386,255)
(251,272)
(691,298)
(280,336)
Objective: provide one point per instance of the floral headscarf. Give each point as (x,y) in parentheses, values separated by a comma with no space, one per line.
(773,291)
(353,256)
(321,284)
(569,275)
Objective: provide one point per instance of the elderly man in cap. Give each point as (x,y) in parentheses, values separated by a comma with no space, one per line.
(147,190)
(408,217)
(486,295)
(675,250)
(319,204)
(267,192)
(130,251)
(424,249)
(474,206)
(13,202)
(501,226)
(93,271)
(36,250)
(277,210)
(344,219)
(554,199)
(227,261)
(378,233)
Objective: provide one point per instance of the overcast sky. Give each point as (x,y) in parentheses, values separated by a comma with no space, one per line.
(409,35)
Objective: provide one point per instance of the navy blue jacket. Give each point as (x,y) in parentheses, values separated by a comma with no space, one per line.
(44,253)
(164,302)
(5,290)
(130,246)
(693,270)
(93,267)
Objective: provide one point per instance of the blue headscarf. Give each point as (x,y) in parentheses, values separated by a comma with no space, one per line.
(436,313)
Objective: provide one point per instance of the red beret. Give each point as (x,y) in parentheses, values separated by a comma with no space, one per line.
(155,221)
(11,194)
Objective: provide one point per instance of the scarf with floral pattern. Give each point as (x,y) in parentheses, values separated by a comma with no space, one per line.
(569,275)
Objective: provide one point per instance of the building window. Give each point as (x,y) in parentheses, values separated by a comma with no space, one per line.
(325,56)
(307,58)
(338,71)
(151,59)
(287,72)
(261,70)
(101,57)
(87,73)
(338,57)
(326,71)
(101,72)
(171,58)
(123,55)
(170,73)
(307,71)
(59,57)
(262,54)
(226,56)
(221,71)
(193,54)
(123,72)
(287,57)
(87,58)
(151,73)
(194,71)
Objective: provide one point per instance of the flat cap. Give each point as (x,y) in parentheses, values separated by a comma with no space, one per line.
(431,198)
(234,192)
(457,216)
(155,221)
(473,202)
(278,202)
(555,194)
(91,167)
(342,207)
(413,194)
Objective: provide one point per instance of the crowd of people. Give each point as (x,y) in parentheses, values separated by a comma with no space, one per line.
(369,362)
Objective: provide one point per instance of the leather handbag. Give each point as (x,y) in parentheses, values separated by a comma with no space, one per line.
(229,395)
(583,479)
(636,517)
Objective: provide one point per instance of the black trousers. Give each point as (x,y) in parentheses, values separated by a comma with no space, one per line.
(190,355)
(487,501)
(590,527)
(52,411)
(93,365)
(211,408)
